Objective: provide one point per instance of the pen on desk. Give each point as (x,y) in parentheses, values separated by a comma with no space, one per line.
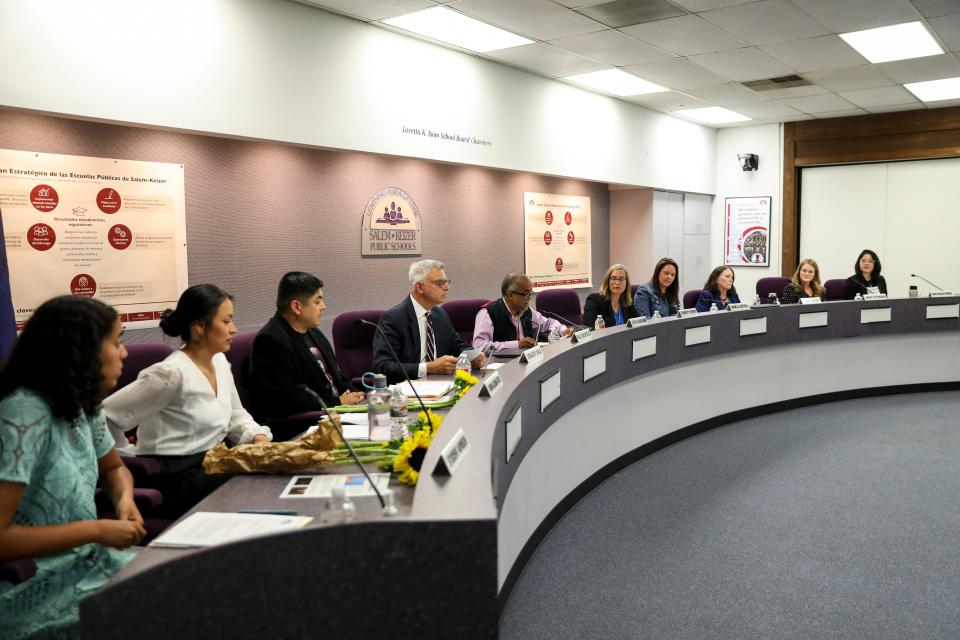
(269,512)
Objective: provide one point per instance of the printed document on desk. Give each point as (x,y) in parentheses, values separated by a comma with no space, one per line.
(321,486)
(208,529)
(427,388)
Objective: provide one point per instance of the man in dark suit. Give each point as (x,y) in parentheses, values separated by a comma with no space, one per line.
(419,330)
(290,351)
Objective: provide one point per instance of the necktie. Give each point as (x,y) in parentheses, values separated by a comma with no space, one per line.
(430,347)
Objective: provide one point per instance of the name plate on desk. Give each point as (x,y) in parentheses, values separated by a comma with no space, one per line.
(880,314)
(686,313)
(584,335)
(738,306)
(636,322)
(811,300)
(533,354)
(875,296)
(941,311)
(491,385)
(941,294)
(452,455)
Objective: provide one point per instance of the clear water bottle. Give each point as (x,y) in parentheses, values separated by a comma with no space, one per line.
(756,300)
(858,297)
(554,335)
(656,314)
(378,408)
(340,508)
(463,363)
(398,414)
(713,307)
(599,324)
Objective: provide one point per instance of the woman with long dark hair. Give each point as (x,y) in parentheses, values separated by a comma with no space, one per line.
(718,290)
(54,445)
(662,293)
(188,403)
(866,276)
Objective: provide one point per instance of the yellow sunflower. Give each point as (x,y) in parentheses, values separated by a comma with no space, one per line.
(410,459)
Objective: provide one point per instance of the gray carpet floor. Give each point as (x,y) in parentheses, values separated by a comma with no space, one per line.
(835,521)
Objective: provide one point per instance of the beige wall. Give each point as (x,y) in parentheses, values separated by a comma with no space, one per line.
(631,231)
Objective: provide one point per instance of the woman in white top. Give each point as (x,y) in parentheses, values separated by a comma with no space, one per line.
(188,403)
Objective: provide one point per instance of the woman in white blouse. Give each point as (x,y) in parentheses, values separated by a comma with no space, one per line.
(188,403)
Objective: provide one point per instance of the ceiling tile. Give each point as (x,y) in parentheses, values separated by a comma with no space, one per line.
(540,19)
(620,13)
(685,36)
(879,96)
(765,22)
(934,8)
(372,9)
(668,101)
(948,28)
(846,113)
(920,69)
(819,104)
(612,47)
(574,4)
(742,64)
(676,74)
(913,106)
(547,59)
(706,5)
(768,109)
(726,94)
(793,92)
(815,54)
(854,15)
(860,77)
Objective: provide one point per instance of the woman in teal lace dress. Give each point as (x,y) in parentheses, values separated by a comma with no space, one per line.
(54,445)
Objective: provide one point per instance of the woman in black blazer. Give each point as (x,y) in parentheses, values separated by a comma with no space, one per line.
(614,303)
(866,273)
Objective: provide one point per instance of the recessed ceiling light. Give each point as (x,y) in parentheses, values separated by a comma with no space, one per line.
(896,42)
(933,90)
(713,115)
(617,82)
(440,23)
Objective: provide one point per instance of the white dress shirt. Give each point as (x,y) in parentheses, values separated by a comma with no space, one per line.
(176,410)
(421,314)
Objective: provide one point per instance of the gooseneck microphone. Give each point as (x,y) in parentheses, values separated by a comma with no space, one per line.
(557,316)
(396,359)
(915,275)
(335,420)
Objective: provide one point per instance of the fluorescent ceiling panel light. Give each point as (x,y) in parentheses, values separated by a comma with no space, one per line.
(617,82)
(896,42)
(933,90)
(713,115)
(440,23)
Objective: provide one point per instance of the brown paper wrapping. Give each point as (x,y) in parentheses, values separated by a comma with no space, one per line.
(313,451)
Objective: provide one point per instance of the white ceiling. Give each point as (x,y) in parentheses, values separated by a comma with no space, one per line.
(703,50)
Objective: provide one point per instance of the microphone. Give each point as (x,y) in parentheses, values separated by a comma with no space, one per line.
(335,419)
(396,359)
(914,275)
(557,316)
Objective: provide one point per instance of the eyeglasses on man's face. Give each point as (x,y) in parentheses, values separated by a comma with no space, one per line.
(440,284)
(523,294)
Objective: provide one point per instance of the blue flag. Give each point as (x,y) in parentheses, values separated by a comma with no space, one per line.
(8,322)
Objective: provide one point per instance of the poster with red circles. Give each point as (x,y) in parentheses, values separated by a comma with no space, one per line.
(557,247)
(98,227)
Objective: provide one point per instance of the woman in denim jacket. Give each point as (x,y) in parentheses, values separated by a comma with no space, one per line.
(662,293)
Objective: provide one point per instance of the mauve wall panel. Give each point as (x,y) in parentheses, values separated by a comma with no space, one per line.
(258,209)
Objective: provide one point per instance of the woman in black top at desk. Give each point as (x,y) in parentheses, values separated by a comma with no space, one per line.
(867,274)
(805,283)
(614,303)
(718,290)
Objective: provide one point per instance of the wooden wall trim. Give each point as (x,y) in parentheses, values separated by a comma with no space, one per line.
(883,137)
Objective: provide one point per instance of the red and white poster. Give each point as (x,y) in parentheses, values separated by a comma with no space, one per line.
(557,249)
(109,229)
(747,237)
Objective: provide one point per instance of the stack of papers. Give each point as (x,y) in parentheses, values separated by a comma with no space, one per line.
(208,529)
(431,389)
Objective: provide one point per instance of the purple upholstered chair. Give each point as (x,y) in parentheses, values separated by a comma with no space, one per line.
(690,298)
(562,302)
(139,357)
(239,358)
(463,315)
(834,288)
(766,286)
(353,343)
(17,571)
